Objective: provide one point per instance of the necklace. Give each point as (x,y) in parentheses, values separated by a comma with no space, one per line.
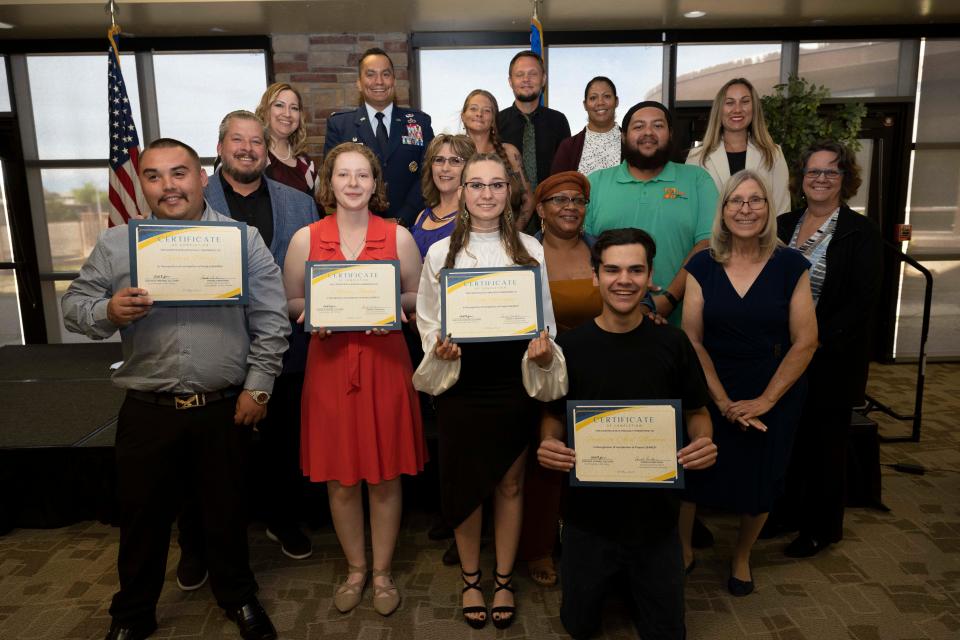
(440,219)
(354,251)
(289,153)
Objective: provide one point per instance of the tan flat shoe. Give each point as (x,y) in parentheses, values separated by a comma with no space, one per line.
(386,598)
(348,594)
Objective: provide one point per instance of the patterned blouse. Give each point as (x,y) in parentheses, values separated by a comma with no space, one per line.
(600,151)
(815,250)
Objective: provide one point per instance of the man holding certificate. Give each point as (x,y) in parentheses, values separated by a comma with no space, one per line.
(198,370)
(627,376)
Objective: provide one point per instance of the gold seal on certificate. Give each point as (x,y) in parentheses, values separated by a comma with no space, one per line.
(352,295)
(621,443)
(182,263)
(491,305)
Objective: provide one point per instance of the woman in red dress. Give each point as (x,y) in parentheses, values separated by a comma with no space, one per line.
(361,416)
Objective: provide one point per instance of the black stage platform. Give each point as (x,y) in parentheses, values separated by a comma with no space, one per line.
(57,427)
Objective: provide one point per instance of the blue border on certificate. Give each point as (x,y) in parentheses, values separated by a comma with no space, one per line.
(317,267)
(462,274)
(586,408)
(141,230)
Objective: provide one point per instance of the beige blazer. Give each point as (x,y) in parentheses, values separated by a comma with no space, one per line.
(778,180)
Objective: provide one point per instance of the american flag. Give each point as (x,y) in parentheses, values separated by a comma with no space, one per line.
(126,198)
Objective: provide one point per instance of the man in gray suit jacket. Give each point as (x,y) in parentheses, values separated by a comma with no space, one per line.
(240,189)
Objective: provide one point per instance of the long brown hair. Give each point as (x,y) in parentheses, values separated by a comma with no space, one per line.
(516,181)
(758,133)
(298,139)
(509,235)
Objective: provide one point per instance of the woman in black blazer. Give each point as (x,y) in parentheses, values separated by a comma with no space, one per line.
(845,250)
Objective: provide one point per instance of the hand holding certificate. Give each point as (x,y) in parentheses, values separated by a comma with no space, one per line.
(620,443)
(352,295)
(491,304)
(189,263)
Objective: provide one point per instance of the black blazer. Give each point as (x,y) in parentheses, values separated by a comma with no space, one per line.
(845,310)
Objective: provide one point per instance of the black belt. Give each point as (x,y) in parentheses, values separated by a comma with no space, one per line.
(183,400)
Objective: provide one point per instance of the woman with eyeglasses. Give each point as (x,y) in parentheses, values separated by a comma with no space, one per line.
(486,415)
(737,138)
(440,183)
(749,314)
(479,118)
(280,109)
(845,251)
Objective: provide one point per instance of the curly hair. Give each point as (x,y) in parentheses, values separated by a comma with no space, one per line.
(509,235)
(462,146)
(325,195)
(298,139)
(846,162)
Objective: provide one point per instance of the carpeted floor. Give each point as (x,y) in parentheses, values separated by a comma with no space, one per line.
(895,576)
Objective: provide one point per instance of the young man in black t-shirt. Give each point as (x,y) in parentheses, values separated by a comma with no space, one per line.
(620,355)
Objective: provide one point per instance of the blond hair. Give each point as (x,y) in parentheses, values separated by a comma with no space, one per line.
(298,139)
(758,133)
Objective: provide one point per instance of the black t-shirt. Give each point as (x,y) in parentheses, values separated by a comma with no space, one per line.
(737,161)
(255,209)
(650,362)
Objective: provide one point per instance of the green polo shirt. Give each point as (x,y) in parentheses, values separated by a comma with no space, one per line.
(676,208)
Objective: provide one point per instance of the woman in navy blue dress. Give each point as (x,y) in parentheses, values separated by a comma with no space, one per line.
(749,313)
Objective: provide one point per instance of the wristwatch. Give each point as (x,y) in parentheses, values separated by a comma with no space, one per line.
(260,397)
(672,298)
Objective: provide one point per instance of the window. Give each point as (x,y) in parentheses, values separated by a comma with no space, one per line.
(444,85)
(703,68)
(851,69)
(636,70)
(4,86)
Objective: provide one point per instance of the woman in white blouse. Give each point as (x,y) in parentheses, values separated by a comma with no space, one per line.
(485,414)
(737,139)
(598,145)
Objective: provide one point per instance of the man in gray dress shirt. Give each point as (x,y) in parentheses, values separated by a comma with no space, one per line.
(198,379)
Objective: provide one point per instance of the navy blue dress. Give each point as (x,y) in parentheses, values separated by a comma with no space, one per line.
(747,338)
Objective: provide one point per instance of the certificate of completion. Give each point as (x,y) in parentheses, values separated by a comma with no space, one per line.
(183,263)
(491,305)
(353,295)
(626,443)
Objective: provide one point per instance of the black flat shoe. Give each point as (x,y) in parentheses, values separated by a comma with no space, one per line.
(739,588)
(804,547)
(139,631)
(507,612)
(252,621)
(477,622)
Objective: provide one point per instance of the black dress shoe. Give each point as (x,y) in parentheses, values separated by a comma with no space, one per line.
(253,621)
(701,538)
(139,631)
(804,547)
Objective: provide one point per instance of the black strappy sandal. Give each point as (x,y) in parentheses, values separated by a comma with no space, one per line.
(503,582)
(477,622)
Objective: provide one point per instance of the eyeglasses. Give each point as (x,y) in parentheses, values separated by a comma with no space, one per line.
(755,203)
(495,187)
(562,201)
(816,174)
(454,161)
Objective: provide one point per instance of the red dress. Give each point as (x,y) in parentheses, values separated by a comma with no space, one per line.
(361,414)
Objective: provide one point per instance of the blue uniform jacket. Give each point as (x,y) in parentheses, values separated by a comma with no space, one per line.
(410,133)
(292,210)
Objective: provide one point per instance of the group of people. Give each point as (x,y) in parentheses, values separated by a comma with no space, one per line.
(660,281)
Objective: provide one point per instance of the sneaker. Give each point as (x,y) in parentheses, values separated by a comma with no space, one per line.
(293,543)
(191,572)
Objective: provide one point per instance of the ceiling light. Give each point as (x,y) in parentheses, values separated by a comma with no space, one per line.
(694,14)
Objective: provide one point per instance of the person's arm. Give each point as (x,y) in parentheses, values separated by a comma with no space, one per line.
(413,202)
(693,326)
(677,286)
(410,267)
(294,272)
(701,452)
(803,336)
(91,307)
(526,200)
(334,133)
(553,453)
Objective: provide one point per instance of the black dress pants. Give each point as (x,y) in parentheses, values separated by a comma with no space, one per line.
(164,454)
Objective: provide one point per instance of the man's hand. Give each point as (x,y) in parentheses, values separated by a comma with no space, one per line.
(248,411)
(699,454)
(540,351)
(555,455)
(128,305)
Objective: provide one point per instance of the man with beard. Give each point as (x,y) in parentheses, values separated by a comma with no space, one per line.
(534,129)
(674,203)
(277,211)
(197,379)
